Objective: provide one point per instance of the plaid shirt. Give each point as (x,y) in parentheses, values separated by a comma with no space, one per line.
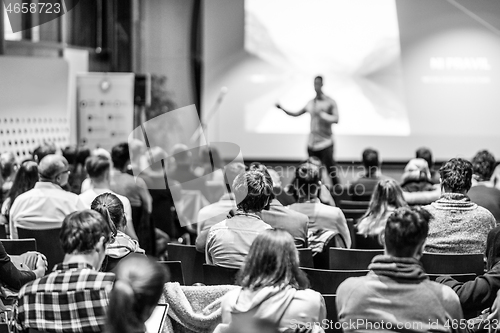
(73,298)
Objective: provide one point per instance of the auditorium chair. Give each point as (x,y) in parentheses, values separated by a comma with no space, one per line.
(453,263)
(191,260)
(218,275)
(367,243)
(350,204)
(459,277)
(322,259)
(326,281)
(306,258)
(351,258)
(15,247)
(331,314)
(175,270)
(47,243)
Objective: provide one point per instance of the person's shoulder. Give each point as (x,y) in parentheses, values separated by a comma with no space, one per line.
(308,294)
(443,292)
(351,284)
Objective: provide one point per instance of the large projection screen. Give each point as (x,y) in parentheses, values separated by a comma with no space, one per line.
(404,74)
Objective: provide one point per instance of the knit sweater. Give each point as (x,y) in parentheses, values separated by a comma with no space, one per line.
(459,225)
(396,295)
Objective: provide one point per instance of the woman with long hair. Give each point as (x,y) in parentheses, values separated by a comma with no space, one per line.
(135,294)
(273,288)
(121,245)
(25,180)
(386,197)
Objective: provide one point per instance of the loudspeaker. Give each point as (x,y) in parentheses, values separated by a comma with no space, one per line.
(142,89)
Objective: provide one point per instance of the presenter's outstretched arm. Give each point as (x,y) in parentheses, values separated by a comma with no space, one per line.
(301,112)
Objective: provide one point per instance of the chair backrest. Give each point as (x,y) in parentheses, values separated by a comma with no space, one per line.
(322,259)
(351,258)
(218,275)
(367,243)
(459,277)
(331,314)
(3,232)
(353,213)
(175,269)
(453,263)
(47,243)
(192,261)
(327,281)
(306,257)
(17,247)
(350,204)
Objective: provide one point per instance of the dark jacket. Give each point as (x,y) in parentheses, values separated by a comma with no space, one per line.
(480,293)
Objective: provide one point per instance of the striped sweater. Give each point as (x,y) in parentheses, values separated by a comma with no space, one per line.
(459,225)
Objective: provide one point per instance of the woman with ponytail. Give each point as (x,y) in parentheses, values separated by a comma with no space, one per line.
(121,245)
(138,287)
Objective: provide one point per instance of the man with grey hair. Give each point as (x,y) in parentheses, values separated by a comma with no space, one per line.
(47,204)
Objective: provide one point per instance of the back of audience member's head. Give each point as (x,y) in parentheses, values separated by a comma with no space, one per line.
(253,191)
(53,168)
(82,154)
(25,180)
(135,294)
(8,164)
(406,231)
(456,176)
(307,181)
(111,208)
(387,193)
(370,161)
(257,166)
(70,153)
(43,150)
(272,261)
(231,171)
(83,232)
(426,154)
(416,170)
(120,156)
(483,165)
(97,168)
(101,152)
(182,154)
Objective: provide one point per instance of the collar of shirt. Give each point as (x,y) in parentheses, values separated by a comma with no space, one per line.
(47,185)
(72,266)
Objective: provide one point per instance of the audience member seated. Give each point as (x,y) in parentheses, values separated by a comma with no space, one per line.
(74,297)
(364,186)
(273,287)
(204,165)
(137,193)
(120,245)
(98,169)
(325,196)
(8,169)
(280,194)
(100,152)
(325,222)
(479,294)
(416,176)
(459,225)
(14,278)
(426,154)
(46,205)
(229,241)
(183,171)
(482,191)
(69,153)
(386,198)
(136,292)
(25,180)
(283,218)
(218,211)
(396,292)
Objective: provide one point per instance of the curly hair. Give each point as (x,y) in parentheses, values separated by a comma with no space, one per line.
(253,190)
(82,230)
(456,175)
(406,229)
(483,165)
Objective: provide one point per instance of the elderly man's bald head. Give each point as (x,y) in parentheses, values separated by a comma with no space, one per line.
(51,166)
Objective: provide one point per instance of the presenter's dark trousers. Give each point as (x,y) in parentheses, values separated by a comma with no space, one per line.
(326,157)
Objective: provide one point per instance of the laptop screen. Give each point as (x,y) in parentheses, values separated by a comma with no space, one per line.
(154,323)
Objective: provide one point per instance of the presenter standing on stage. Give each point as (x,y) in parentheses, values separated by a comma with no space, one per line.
(324,113)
